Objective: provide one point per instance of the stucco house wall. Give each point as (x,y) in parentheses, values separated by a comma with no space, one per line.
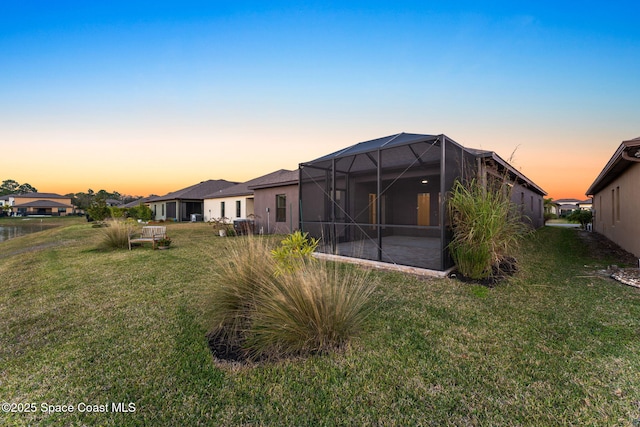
(265,209)
(213,208)
(617,210)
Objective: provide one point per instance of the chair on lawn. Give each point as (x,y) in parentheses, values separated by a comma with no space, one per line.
(150,233)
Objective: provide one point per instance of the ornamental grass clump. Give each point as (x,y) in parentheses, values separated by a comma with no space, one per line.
(315,308)
(115,235)
(262,310)
(487,227)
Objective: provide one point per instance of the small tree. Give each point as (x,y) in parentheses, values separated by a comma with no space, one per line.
(141,212)
(582,216)
(99,209)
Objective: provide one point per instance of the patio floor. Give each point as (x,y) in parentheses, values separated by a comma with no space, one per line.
(423,252)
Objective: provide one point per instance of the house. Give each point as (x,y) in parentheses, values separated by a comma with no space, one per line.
(252,200)
(49,204)
(385,200)
(616,197)
(182,204)
(564,207)
(276,202)
(585,205)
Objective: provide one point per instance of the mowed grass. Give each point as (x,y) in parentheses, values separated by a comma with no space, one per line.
(555,345)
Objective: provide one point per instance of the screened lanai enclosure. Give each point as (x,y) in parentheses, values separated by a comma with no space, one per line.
(384,199)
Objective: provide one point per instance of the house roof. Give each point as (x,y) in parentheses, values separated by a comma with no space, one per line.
(564,201)
(627,153)
(403,139)
(246,188)
(42,204)
(196,192)
(504,164)
(39,196)
(137,202)
(278,179)
(379,143)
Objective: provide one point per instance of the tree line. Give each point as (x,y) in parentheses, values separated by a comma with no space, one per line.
(81,200)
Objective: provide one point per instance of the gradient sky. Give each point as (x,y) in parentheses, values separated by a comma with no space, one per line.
(147,97)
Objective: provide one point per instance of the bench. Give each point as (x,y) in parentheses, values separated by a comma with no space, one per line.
(151,233)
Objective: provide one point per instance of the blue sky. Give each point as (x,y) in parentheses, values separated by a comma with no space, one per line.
(235,90)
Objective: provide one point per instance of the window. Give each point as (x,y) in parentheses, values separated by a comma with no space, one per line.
(617,203)
(281,208)
(238,210)
(613,207)
(222,210)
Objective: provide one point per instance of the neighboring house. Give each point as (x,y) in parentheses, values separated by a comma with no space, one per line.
(49,204)
(386,199)
(566,206)
(276,202)
(251,200)
(137,202)
(616,197)
(585,205)
(182,204)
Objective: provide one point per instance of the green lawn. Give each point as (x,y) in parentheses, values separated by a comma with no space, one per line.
(555,345)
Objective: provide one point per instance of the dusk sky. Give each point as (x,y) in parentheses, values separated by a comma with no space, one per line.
(147,97)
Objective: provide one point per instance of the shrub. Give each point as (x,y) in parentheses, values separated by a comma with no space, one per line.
(582,216)
(116,212)
(116,234)
(99,210)
(257,313)
(487,227)
(295,249)
(141,212)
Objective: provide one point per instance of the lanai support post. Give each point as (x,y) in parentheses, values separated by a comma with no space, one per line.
(379,206)
(443,202)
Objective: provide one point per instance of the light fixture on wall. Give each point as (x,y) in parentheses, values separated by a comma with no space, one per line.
(424,181)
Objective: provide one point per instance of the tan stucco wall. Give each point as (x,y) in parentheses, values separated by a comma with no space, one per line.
(623,229)
(266,198)
(212,207)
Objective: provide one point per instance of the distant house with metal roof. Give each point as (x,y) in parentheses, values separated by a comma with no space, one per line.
(385,200)
(616,197)
(182,204)
(49,204)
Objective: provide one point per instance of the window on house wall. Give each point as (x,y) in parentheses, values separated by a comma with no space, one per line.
(599,204)
(281,208)
(617,203)
(238,210)
(540,208)
(222,215)
(163,209)
(613,206)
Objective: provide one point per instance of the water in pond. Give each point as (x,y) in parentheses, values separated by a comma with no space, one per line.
(10,231)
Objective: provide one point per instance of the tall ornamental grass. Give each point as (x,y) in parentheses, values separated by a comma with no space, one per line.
(487,227)
(260,310)
(116,234)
